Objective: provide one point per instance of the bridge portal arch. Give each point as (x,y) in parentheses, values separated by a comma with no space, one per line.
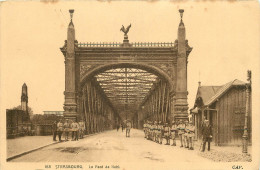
(167,60)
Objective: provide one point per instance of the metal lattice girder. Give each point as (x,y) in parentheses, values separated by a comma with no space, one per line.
(126,87)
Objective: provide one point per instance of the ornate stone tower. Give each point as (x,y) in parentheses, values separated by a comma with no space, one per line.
(24,98)
(70,104)
(181,104)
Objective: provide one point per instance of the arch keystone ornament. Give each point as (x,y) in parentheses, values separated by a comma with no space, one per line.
(90,68)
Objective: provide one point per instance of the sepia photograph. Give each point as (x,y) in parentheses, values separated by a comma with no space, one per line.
(129,85)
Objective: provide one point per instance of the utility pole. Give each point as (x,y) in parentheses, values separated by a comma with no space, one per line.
(248,90)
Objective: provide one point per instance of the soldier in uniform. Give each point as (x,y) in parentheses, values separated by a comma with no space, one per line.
(167,133)
(149,131)
(191,133)
(160,135)
(173,133)
(157,132)
(206,135)
(72,131)
(185,135)
(66,129)
(60,129)
(145,129)
(181,128)
(81,129)
(75,129)
(154,130)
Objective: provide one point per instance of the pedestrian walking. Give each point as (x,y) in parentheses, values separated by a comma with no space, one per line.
(206,135)
(117,126)
(128,128)
(122,125)
(54,130)
(60,129)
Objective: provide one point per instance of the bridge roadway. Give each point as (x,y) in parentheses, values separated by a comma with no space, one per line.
(113,146)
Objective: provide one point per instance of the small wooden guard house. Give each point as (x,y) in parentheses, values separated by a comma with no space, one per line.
(225,107)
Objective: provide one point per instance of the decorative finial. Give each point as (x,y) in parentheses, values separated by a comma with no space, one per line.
(71,14)
(181,12)
(249,76)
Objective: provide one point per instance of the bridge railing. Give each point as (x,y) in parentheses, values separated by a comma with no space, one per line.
(152,44)
(118,44)
(101,44)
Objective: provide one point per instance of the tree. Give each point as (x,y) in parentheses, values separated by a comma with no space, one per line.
(30,111)
(44,119)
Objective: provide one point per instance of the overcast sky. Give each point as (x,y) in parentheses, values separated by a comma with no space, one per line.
(224,37)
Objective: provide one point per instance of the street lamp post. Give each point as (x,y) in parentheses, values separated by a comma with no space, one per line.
(245,135)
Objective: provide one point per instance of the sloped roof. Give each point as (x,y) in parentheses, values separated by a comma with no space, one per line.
(222,91)
(194,110)
(206,92)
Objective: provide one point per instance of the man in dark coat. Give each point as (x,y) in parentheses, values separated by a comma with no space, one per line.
(54,130)
(206,134)
(122,127)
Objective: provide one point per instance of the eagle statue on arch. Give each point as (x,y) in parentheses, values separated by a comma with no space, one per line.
(125,30)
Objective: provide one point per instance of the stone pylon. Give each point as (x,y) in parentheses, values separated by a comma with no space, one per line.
(70,104)
(181,94)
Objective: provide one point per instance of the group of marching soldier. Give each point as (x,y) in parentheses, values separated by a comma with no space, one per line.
(156,131)
(76,128)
